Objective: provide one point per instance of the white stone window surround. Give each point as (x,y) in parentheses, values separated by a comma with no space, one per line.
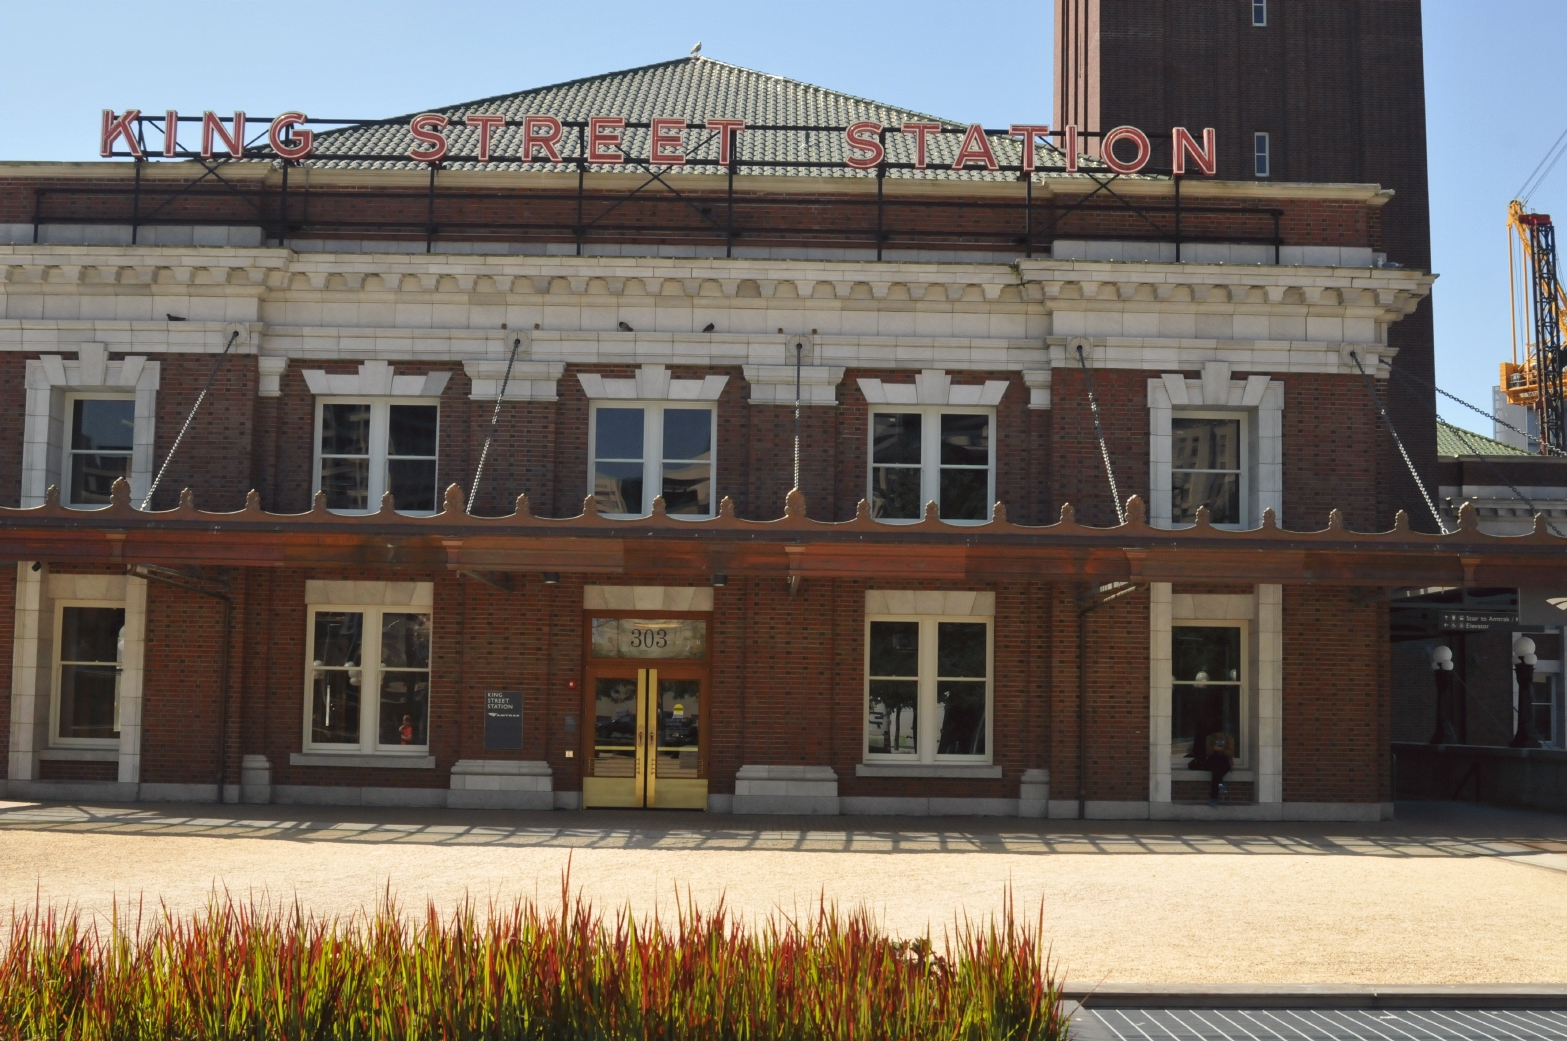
(931,393)
(647,598)
(930,607)
(34,672)
(68,489)
(378,385)
(1261,616)
(1249,516)
(56,666)
(530,380)
(50,380)
(380,447)
(373,599)
(653,390)
(375,379)
(1261,397)
(930,458)
(774,384)
(933,387)
(651,383)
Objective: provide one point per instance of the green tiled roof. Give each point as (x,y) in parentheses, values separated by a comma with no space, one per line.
(697,89)
(1455,441)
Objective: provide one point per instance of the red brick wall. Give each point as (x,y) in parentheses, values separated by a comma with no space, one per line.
(215,458)
(65,770)
(1076,467)
(1331,457)
(1337,709)
(13,414)
(1340,87)
(787,685)
(1116,709)
(827,219)
(180,691)
(291,471)
(1045,457)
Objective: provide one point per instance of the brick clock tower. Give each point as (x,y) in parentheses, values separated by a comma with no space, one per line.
(1297,90)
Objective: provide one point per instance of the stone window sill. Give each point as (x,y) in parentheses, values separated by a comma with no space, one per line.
(80,755)
(925,770)
(362,760)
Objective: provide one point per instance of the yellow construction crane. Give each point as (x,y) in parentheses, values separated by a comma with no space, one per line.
(1540,306)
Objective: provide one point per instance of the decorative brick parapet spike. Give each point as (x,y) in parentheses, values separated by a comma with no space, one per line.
(121,514)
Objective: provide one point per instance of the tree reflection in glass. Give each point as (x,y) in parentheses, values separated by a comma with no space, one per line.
(960,688)
(894,689)
(618,460)
(965,466)
(895,465)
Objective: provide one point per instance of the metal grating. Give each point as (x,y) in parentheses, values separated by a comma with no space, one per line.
(1319,1025)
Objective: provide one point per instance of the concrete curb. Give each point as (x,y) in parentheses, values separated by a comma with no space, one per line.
(1320,995)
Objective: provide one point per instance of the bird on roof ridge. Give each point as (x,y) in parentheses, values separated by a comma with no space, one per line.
(697,49)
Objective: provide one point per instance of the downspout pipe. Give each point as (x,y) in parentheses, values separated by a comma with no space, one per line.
(153,573)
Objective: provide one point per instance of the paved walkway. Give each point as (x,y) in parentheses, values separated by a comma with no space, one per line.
(1445,894)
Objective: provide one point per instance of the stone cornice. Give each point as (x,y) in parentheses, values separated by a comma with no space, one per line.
(1050,282)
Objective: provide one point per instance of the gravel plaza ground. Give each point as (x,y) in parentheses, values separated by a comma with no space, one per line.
(1447,893)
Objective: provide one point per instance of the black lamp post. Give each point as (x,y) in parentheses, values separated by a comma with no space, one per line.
(1523,669)
(1442,673)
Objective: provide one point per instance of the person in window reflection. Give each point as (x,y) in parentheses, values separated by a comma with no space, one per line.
(406,731)
(1214,750)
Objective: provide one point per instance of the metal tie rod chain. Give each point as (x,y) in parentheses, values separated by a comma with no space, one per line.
(495,418)
(211,377)
(1376,399)
(1104,452)
(1428,385)
(1463,435)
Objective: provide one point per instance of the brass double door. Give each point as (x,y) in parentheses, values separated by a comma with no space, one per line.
(647,737)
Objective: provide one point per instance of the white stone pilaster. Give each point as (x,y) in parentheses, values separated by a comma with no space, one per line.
(29,695)
(1159,691)
(132,672)
(1270,693)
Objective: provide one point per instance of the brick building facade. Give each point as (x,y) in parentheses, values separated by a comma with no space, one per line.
(940,607)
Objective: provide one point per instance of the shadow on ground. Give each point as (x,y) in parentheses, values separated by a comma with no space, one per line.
(1430,829)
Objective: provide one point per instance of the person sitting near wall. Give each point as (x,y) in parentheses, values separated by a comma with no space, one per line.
(1214,751)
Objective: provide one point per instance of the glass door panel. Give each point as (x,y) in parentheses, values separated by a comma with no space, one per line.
(679,728)
(647,747)
(614,727)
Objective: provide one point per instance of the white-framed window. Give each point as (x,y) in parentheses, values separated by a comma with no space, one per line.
(932,453)
(89,655)
(368,447)
(1208,674)
(1262,157)
(1259,12)
(99,440)
(367,680)
(928,689)
(640,450)
(1209,467)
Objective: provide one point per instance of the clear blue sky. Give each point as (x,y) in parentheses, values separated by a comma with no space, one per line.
(1496,86)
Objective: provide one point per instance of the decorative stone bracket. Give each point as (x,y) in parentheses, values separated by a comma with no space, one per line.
(45,431)
(652,383)
(530,380)
(774,384)
(933,387)
(375,379)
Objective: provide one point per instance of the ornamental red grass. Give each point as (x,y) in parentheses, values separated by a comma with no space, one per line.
(255,971)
